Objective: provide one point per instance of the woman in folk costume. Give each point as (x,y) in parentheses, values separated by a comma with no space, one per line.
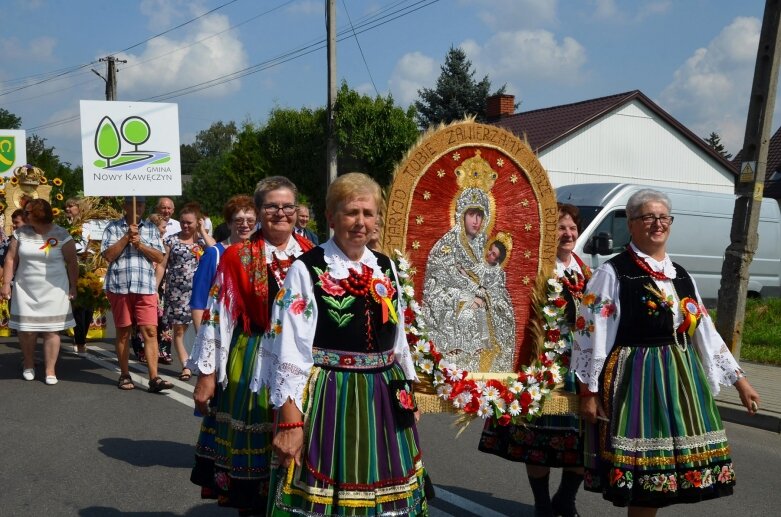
(551,440)
(650,362)
(338,366)
(233,450)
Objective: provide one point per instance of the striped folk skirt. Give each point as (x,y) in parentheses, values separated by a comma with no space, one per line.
(357,459)
(664,442)
(234,445)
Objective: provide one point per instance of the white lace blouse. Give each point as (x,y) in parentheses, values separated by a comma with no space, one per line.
(212,344)
(601,312)
(285,358)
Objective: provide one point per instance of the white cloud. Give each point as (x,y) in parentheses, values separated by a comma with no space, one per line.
(710,91)
(36,49)
(307,8)
(184,62)
(527,55)
(516,14)
(411,73)
(163,14)
(608,10)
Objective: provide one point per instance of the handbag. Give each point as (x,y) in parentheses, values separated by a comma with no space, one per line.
(403,401)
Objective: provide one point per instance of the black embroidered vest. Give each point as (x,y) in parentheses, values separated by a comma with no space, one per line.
(353,326)
(641,324)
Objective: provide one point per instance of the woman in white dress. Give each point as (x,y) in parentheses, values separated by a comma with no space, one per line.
(41,261)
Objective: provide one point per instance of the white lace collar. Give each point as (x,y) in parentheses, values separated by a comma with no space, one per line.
(573,266)
(665,265)
(293,249)
(339,264)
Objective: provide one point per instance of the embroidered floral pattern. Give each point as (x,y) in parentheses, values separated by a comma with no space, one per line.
(656,300)
(658,482)
(621,478)
(604,308)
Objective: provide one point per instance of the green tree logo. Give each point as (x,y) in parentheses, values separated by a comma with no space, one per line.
(107,143)
(135,131)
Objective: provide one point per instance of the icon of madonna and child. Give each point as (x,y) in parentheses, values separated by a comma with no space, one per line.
(466,304)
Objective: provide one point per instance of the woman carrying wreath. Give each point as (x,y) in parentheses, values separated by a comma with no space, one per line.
(552,440)
(234,446)
(339,369)
(650,362)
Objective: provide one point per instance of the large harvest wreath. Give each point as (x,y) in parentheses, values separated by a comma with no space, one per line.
(509,401)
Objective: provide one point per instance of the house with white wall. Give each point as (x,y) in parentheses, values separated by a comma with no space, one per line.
(622,138)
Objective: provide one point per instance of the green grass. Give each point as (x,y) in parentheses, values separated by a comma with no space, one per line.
(761,331)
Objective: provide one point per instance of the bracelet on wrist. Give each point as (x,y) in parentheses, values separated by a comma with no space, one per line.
(587,394)
(290,425)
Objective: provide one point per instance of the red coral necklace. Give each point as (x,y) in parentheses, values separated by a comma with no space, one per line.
(279,267)
(356,283)
(575,288)
(642,264)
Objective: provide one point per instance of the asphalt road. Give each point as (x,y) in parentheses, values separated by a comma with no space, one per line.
(85,448)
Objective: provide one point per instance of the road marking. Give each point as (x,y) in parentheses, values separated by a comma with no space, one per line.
(108,360)
(465,504)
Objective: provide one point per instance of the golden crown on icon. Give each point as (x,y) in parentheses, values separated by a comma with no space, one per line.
(475,172)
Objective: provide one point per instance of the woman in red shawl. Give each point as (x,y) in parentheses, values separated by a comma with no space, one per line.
(247,281)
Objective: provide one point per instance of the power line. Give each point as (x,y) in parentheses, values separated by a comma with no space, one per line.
(69,70)
(370,24)
(178,26)
(361,49)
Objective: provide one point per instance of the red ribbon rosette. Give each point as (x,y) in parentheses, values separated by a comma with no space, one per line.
(691,312)
(50,243)
(382,292)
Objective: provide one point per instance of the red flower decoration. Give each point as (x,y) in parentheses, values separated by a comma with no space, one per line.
(580,323)
(331,286)
(409,316)
(554,335)
(559,302)
(504,420)
(298,306)
(405,399)
(347,360)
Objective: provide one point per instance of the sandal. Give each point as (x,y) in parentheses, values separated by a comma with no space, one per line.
(125,382)
(158,384)
(185,376)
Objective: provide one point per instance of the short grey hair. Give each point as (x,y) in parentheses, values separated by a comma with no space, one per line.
(634,206)
(270,184)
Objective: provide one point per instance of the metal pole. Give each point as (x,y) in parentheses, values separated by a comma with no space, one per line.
(331,148)
(731,308)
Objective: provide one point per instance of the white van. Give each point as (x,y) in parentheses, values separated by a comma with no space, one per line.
(699,236)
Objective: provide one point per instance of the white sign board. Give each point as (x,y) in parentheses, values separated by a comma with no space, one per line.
(13,150)
(130,148)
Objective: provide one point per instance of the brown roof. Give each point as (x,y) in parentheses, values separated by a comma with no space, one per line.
(544,127)
(772,188)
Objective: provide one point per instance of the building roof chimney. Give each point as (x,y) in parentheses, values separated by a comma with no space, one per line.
(498,106)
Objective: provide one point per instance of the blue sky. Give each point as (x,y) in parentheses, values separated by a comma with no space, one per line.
(694,57)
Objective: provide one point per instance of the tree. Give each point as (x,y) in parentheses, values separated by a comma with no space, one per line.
(372,133)
(457,95)
(219,138)
(8,120)
(40,155)
(714,140)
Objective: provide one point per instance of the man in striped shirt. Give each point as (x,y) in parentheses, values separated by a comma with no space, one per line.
(132,247)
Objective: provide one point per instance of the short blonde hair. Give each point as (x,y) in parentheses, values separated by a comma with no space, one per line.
(349,186)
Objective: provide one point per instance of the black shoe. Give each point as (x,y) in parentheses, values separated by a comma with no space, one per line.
(563,509)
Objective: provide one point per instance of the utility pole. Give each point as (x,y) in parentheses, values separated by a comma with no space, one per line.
(731,309)
(331,145)
(111,76)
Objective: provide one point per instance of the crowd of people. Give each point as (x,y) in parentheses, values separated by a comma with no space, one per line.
(305,376)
